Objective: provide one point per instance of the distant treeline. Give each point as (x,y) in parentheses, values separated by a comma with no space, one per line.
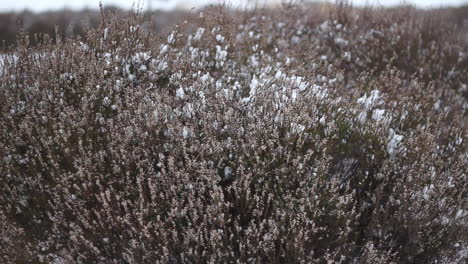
(69,23)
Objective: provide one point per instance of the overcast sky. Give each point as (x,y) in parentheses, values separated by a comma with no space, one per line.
(41,5)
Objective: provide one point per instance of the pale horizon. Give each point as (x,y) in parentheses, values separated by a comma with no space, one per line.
(45,5)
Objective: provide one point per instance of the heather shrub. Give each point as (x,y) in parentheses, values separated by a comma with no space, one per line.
(421,43)
(236,138)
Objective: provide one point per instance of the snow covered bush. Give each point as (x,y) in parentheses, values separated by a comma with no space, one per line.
(237,138)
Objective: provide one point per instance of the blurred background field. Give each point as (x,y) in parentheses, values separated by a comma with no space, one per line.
(72,18)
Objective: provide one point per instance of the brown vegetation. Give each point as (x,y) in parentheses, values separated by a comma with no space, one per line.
(295,135)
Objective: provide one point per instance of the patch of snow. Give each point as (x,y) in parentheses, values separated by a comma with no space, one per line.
(171,38)
(227,173)
(180,93)
(347,56)
(164,49)
(371,100)
(394,141)
(245,100)
(185,132)
(220,38)
(253,87)
(220,56)
(199,33)
(297,128)
(253,61)
(143,68)
(437,105)
(461,214)
(106,32)
(294,96)
(324,26)
(378,114)
(322,120)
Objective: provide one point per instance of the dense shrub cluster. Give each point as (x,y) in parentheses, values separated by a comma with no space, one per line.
(331,135)
(71,23)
